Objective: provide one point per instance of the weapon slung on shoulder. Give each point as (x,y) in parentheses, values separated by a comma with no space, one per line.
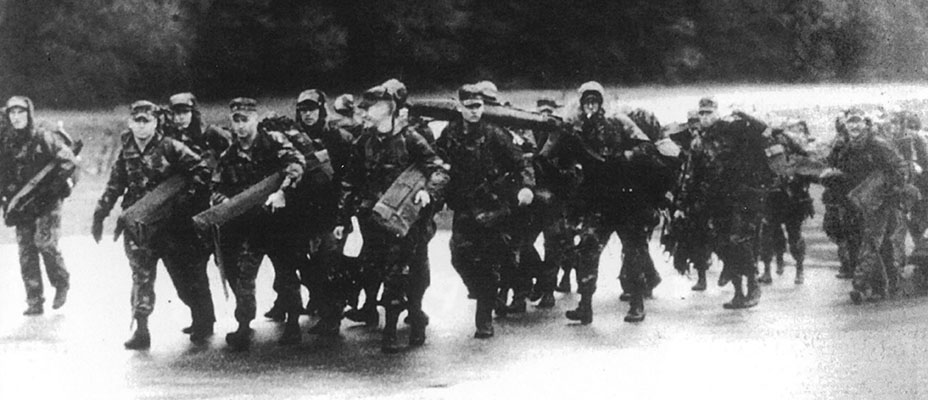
(447,110)
(238,205)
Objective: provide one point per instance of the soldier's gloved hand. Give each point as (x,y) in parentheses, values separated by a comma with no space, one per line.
(338,232)
(96,230)
(525,196)
(276,201)
(217,198)
(678,214)
(422,197)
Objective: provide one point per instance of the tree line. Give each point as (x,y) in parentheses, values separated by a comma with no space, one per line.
(82,53)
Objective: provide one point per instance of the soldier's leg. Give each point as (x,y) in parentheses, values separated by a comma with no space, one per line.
(797,245)
(29,267)
(241,262)
(334,287)
(420,279)
(187,269)
(893,250)
(870,277)
(594,236)
(476,256)
(286,262)
(636,262)
(768,247)
(48,230)
(144,270)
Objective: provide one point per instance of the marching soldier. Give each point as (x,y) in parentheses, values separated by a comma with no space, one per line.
(619,164)
(146,159)
(873,180)
(254,155)
(788,205)
(736,176)
(381,154)
(489,175)
(25,149)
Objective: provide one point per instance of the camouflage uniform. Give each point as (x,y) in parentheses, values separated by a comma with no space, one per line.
(22,155)
(377,160)
(693,244)
(135,173)
(882,229)
(487,169)
(245,241)
(736,181)
(618,161)
(788,205)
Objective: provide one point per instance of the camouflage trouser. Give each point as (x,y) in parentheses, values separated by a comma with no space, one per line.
(40,238)
(694,246)
(477,253)
(187,269)
(524,263)
(637,266)
(325,273)
(397,262)
(737,234)
(882,251)
(774,242)
(842,225)
(240,260)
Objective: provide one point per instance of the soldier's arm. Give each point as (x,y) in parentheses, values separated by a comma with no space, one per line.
(890,161)
(115,187)
(187,160)
(290,159)
(513,157)
(429,162)
(60,150)
(351,183)
(921,151)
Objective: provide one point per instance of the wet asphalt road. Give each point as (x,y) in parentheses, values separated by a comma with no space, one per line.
(803,341)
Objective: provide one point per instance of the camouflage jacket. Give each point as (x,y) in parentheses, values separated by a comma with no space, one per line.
(377,160)
(857,159)
(138,171)
(337,141)
(24,153)
(270,152)
(619,162)
(208,143)
(487,165)
(736,163)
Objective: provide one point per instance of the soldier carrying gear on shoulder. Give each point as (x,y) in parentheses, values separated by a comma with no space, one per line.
(148,158)
(387,148)
(254,155)
(617,160)
(736,179)
(873,175)
(25,150)
(841,221)
(489,175)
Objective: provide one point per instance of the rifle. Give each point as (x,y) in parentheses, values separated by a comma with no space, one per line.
(447,110)
(221,214)
(148,216)
(48,183)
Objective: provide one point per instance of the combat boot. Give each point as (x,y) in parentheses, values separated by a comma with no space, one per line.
(326,327)
(276,314)
(240,339)
(200,333)
(388,341)
(653,282)
(367,314)
(291,334)
(781,264)
(700,281)
(584,311)
(625,296)
(753,297)
(141,338)
(738,300)
(34,309)
(417,323)
(517,306)
(635,310)
(61,297)
(766,278)
(547,300)
(500,305)
(725,278)
(483,318)
(800,276)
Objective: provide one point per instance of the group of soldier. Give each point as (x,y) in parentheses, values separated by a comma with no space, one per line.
(722,184)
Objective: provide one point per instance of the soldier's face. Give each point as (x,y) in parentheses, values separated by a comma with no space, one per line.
(309,117)
(855,126)
(183,118)
(142,126)
(19,117)
(472,112)
(379,115)
(591,107)
(707,118)
(244,125)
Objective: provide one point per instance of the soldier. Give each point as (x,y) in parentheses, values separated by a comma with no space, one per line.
(614,196)
(25,149)
(735,178)
(788,205)
(146,159)
(254,155)
(346,117)
(488,174)
(188,127)
(381,154)
(689,225)
(841,221)
(323,274)
(875,174)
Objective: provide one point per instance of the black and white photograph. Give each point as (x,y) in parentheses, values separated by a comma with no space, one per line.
(416,199)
